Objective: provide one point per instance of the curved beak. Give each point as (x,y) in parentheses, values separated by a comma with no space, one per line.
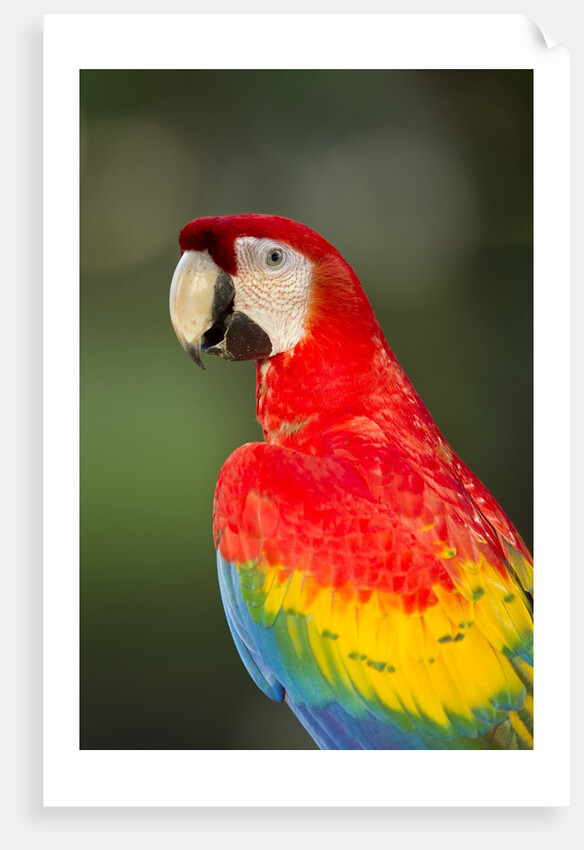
(199,292)
(203,313)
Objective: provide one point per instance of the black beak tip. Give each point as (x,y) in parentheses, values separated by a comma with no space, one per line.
(194,351)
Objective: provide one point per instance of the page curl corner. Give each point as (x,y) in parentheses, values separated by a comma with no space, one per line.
(542,35)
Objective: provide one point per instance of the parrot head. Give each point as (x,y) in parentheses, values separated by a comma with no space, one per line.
(249,287)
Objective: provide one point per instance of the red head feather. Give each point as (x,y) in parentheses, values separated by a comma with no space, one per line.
(217,234)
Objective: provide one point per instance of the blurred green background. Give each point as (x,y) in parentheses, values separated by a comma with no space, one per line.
(423,180)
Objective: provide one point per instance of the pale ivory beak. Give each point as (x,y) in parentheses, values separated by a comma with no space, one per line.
(191,300)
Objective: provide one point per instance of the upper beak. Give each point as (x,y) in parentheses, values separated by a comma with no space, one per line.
(200,291)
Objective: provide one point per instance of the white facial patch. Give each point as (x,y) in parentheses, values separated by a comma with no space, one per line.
(272,287)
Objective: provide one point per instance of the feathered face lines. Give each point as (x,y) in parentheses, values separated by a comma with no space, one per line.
(272,287)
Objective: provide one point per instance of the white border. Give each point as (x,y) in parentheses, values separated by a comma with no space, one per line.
(241,778)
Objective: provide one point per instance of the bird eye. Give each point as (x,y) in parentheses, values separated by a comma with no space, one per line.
(274,257)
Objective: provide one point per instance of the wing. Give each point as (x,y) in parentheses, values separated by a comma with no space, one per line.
(387,614)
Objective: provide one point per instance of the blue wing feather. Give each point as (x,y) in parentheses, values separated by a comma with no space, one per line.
(242,627)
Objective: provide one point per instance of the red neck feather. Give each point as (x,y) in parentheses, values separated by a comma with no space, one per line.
(343,368)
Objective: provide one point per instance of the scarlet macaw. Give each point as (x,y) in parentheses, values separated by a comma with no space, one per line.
(368,577)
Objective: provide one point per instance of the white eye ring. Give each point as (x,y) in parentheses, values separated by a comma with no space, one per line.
(275,257)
